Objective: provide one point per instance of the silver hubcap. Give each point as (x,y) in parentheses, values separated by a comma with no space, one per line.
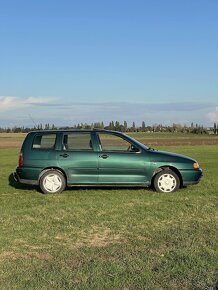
(166,182)
(52,182)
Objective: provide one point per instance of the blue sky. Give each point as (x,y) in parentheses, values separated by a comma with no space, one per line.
(66,62)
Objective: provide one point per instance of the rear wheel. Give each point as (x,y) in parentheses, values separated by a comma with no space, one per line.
(52,181)
(166,181)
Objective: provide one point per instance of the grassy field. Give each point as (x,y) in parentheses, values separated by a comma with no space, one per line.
(123,239)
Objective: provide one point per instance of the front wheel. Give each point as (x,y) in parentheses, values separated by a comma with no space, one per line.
(166,181)
(52,181)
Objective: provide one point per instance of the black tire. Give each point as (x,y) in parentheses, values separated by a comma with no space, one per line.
(52,181)
(166,181)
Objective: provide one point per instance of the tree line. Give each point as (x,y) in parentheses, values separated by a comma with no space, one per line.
(123,127)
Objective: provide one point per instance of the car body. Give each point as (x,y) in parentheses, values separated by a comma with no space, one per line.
(55,159)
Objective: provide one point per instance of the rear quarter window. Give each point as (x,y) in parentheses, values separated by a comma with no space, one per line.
(44,141)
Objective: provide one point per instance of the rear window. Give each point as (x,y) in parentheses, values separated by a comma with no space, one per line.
(44,141)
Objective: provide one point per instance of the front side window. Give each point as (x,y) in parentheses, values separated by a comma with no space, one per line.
(44,141)
(77,141)
(110,142)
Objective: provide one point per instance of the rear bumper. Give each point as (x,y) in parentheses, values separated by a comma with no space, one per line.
(24,181)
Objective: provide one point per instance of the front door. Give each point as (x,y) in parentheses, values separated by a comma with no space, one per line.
(119,161)
(78,159)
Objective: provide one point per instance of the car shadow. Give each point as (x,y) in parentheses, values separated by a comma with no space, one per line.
(13,183)
(108,188)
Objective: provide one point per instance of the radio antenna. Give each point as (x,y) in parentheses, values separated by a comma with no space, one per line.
(32,120)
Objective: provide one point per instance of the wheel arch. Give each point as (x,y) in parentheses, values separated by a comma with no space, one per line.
(174,169)
(52,168)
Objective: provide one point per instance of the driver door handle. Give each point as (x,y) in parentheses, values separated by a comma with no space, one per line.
(65,155)
(104,156)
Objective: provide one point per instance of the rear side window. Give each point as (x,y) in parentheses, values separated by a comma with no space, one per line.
(77,141)
(44,141)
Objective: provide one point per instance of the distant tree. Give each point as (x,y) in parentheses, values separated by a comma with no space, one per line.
(133,128)
(125,126)
(193,128)
(117,126)
(177,127)
(143,126)
(215,128)
(97,125)
(121,128)
(111,125)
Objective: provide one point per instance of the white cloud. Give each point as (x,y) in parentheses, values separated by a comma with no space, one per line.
(213,116)
(10,102)
(7,103)
(39,100)
(51,110)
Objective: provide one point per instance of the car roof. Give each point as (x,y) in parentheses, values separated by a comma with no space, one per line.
(75,130)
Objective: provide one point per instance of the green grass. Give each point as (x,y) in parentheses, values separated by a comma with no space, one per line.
(110,238)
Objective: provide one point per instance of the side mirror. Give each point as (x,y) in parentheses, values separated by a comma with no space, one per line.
(134,149)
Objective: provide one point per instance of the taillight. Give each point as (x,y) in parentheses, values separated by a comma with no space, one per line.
(20,159)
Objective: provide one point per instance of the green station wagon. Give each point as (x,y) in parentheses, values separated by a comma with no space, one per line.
(56,159)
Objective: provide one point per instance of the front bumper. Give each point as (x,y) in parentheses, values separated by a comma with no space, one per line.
(192,176)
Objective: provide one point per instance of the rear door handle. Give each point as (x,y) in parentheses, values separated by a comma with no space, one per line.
(65,155)
(104,156)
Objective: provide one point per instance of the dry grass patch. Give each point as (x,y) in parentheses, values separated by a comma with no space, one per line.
(40,256)
(12,255)
(14,140)
(11,140)
(8,255)
(96,237)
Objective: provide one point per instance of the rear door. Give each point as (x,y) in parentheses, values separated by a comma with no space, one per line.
(119,161)
(78,158)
